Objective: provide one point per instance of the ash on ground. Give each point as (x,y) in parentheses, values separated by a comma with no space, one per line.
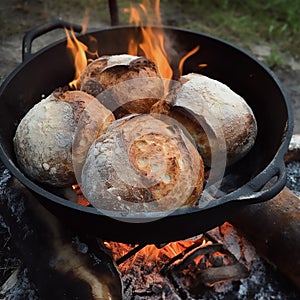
(14,281)
(19,287)
(143,281)
(293,177)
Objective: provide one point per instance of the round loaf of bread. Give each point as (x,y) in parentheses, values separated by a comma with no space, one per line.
(142,164)
(44,138)
(214,115)
(142,89)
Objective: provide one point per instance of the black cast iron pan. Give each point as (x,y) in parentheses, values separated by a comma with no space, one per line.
(256,178)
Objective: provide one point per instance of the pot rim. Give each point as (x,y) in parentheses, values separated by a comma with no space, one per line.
(251,192)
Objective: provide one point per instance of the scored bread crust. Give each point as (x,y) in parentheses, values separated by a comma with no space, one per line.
(143,164)
(137,96)
(44,138)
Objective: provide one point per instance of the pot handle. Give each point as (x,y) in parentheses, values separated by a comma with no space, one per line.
(266,185)
(36,32)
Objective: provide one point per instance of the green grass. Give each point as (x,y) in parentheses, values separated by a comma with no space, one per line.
(247,23)
(273,22)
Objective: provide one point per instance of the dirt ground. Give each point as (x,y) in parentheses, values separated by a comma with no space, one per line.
(290,80)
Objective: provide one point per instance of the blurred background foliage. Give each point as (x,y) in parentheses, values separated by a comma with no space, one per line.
(273,22)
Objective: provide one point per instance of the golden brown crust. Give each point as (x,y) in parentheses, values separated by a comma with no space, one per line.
(109,71)
(145,161)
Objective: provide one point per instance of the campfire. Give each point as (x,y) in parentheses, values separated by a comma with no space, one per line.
(188,266)
(142,158)
(216,264)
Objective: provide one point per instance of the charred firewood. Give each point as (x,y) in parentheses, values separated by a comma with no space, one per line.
(222,273)
(182,263)
(58,265)
(273,227)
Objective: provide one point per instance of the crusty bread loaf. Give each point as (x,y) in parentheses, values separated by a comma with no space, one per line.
(142,164)
(214,114)
(45,136)
(142,88)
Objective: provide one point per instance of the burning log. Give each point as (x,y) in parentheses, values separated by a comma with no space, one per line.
(273,227)
(217,274)
(213,263)
(60,267)
(186,260)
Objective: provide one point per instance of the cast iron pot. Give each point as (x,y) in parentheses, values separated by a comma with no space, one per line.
(257,177)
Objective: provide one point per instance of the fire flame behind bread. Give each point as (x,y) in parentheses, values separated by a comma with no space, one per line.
(78,51)
(154,44)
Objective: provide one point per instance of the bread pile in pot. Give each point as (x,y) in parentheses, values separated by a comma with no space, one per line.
(127,137)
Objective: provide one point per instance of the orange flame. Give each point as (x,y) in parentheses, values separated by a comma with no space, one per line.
(153,42)
(152,254)
(78,51)
(182,61)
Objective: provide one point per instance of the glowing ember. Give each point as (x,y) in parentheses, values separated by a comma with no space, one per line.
(202,65)
(151,254)
(81,200)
